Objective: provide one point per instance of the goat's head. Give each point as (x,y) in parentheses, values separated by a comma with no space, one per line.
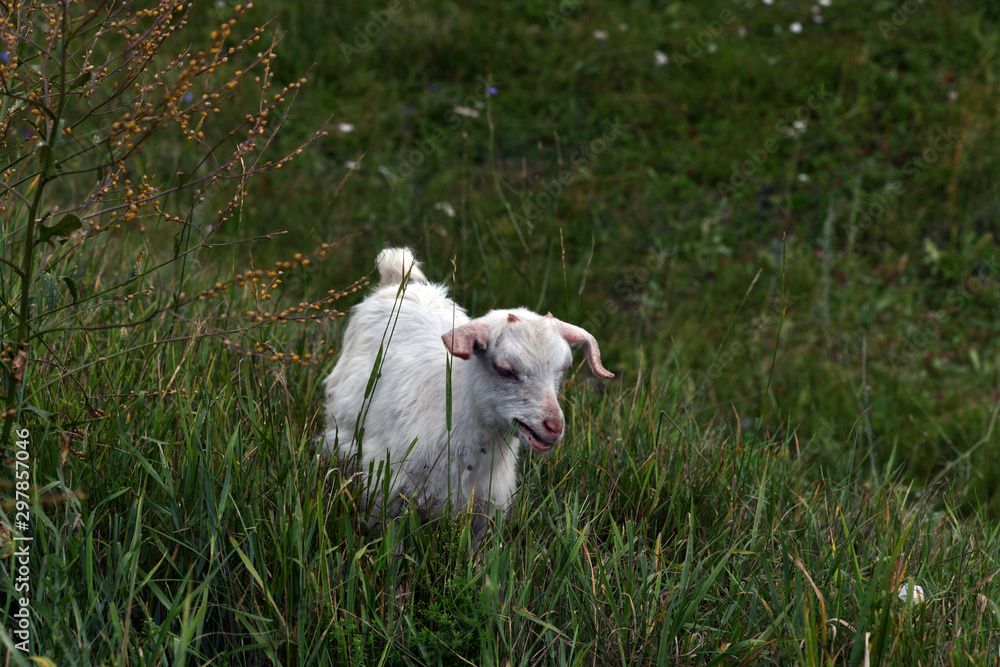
(520,359)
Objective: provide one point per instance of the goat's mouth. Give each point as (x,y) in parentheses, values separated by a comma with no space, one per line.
(531,439)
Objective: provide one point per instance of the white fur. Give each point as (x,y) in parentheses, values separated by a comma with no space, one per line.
(404,420)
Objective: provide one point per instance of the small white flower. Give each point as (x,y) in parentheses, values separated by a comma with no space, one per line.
(918,594)
(795,27)
(768,2)
(466,111)
(623,27)
(601,35)
(797,128)
(660,58)
(445,208)
(479,104)
(817,18)
(826,3)
(952,95)
(384,170)
(803,178)
(350,164)
(711,48)
(345,128)
(741,32)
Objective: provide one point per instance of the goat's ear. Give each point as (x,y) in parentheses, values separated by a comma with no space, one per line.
(573,334)
(463,341)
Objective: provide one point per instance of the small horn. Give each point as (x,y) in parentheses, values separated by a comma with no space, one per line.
(511,317)
(573,334)
(549,315)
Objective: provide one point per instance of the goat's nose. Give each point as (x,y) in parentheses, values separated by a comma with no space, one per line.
(553,427)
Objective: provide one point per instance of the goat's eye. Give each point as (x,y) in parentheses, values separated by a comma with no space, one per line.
(505,373)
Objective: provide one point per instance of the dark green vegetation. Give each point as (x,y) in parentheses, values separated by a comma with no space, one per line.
(806,345)
(884,260)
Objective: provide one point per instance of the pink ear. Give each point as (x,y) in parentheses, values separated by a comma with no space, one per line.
(573,334)
(464,340)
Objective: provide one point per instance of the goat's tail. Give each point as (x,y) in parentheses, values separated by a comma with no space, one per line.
(397,263)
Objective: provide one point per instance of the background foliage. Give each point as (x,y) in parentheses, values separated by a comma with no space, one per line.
(889,296)
(807,343)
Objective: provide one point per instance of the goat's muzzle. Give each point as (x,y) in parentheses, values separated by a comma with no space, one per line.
(540,442)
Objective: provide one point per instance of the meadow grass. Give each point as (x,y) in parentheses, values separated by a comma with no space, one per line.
(210,532)
(872,228)
(803,420)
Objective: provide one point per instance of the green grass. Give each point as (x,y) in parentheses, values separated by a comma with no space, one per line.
(212,532)
(886,301)
(805,410)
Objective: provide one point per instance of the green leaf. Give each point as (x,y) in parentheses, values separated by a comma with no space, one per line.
(447,392)
(82,79)
(521,611)
(44,415)
(72,288)
(69,224)
(50,288)
(47,157)
(136,268)
(376,372)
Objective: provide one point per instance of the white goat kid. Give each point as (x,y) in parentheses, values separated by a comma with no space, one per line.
(505,379)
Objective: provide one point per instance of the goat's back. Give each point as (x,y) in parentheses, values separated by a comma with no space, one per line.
(407,325)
